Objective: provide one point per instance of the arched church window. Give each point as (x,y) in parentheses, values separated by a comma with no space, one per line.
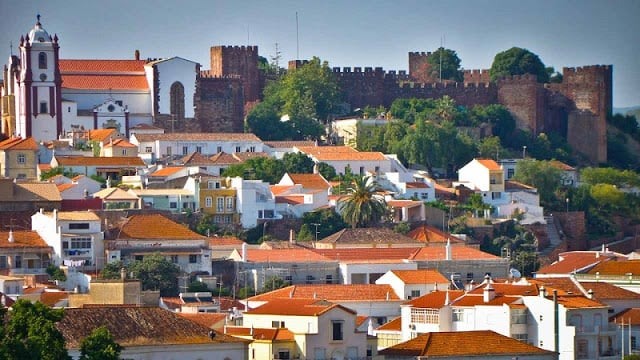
(177,100)
(42,60)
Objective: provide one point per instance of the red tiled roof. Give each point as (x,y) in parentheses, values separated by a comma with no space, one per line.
(483,343)
(574,261)
(263,334)
(101,66)
(393,325)
(368,236)
(65,187)
(103,74)
(210,320)
(367,254)
(296,307)
(607,291)
(617,267)
(167,171)
(223,158)
(489,164)
(120,143)
(430,234)
(579,302)
(435,299)
(457,253)
(310,181)
(403,203)
(198,137)
(332,292)
(99,161)
(560,165)
(425,276)
(284,255)
(279,189)
(290,199)
(51,298)
(509,289)
(629,315)
(22,239)
(18,143)
(105,82)
(417,185)
(225,241)
(101,134)
(475,300)
(156,226)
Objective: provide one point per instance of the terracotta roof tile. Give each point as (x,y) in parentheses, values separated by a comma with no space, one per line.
(579,302)
(573,261)
(417,185)
(368,236)
(225,241)
(120,143)
(135,326)
(167,171)
(617,267)
(457,253)
(222,158)
(489,164)
(475,300)
(22,239)
(244,156)
(114,194)
(196,158)
(367,254)
(51,298)
(77,216)
(34,191)
(629,315)
(65,187)
(99,161)
(332,292)
(483,343)
(430,234)
(560,165)
(103,74)
(105,82)
(288,144)
(210,320)
(156,226)
(18,143)
(607,291)
(290,199)
(279,189)
(315,150)
(434,299)
(261,334)
(198,137)
(403,203)
(509,289)
(310,181)
(101,134)
(101,66)
(393,325)
(425,276)
(284,255)
(296,307)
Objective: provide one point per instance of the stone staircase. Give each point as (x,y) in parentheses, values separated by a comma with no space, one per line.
(553,235)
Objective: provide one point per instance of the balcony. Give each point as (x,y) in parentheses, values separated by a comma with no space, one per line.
(608,329)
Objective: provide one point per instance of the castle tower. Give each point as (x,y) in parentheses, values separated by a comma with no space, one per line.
(419,67)
(38,86)
(238,61)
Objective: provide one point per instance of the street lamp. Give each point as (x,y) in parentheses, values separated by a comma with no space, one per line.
(567,201)
(524,151)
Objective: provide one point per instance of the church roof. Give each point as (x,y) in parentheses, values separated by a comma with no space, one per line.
(103,74)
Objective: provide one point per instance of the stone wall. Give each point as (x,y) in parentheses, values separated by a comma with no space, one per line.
(219,104)
(240,61)
(573,225)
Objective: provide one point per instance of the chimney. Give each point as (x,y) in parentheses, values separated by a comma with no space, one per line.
(590,294)
(447,301)
(543,291)
(489,293)
(11,238)
(292,238)
(55,215)
(388,297)
(244,252)
(370,328)
(316,168)
(448,250)
(136,54)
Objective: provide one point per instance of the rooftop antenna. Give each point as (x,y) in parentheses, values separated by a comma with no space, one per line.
(297,39)
(11,47)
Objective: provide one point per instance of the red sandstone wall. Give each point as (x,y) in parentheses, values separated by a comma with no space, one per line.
(219,104)
(524,97)
(419,68)
(477,76)
(573,225)
(238,61)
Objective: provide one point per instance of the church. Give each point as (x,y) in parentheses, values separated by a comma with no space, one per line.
(46,97)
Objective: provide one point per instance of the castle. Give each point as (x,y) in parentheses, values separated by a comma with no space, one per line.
(44,96)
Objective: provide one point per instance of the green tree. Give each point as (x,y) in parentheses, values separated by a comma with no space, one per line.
(541,175)
(206,226)
(258,168)
(197,286)
(56,273)
(607,196)
(99,345)
(157,273)
(297,163)
(502,122)
(363,206)
(112,270)
(604,175)
(518,61)
(329,222)
(273,283)
(30,333)
(58,170)
(446,60)
(327,171)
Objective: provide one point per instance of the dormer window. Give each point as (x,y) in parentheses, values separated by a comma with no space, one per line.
(42,60)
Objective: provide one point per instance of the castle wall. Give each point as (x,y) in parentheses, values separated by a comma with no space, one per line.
(419,67)
(525,99)
(219,103)
(238,61)
(587,134)
(477,76)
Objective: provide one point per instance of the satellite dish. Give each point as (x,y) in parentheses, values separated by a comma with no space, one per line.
(514,273)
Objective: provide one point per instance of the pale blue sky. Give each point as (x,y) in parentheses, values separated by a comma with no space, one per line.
(345,33)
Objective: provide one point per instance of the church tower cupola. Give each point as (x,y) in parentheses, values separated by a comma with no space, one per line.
(38,34)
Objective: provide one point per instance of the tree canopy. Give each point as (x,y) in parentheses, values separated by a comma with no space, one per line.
(30,333)
(450,63)
(518,61)
(363,206)
(154,272)
(541,175)
(99,345)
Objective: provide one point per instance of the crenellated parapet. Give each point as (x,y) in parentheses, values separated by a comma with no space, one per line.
(476,76)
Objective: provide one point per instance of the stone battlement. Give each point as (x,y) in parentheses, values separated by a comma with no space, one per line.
(588,68)
(420,53)
(207,74)
(518,78)
(368,71)
(251,48)
(444,85)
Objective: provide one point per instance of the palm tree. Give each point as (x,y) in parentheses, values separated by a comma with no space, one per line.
(362,206)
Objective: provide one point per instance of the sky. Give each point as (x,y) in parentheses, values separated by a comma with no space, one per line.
(563,33)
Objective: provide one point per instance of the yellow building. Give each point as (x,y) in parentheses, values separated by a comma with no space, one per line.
(218,199)
(18,158)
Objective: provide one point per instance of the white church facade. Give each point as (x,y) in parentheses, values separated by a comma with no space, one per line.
(46,97)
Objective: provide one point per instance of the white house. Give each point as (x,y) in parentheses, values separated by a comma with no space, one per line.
(76,237)
(346,159)
(297,194)
(410,284)
(254,201)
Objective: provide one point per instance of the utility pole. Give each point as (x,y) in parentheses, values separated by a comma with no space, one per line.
(316,225)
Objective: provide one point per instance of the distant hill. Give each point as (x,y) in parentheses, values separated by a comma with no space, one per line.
(633,110)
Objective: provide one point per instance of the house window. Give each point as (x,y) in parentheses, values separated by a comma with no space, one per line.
(336,327)
(18,261)
(174,259)
(283,354)
(138,257)
(457,315)
(227,219)
(148,149)
(415,294)
(81,243)
(310,279)
(169,150)
(79,226)
(176,99)
(124,152)
(288,279)
(328,279)
(3,262)
(44,108)
(193,259)
(495,180)
(377,169)
(208,201)
(229,203)
(252,149)
(199,149)
(582,349)
(510,173)
(173,205)
(424,196)
(22,159)
(634,343)
(219,149)
(425,316)
(277,324)
(220,204)
(213,185)
(185,150)
(238,149)
(361,170)
(521,337)
(42,60)
(217,219)
(496,195)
